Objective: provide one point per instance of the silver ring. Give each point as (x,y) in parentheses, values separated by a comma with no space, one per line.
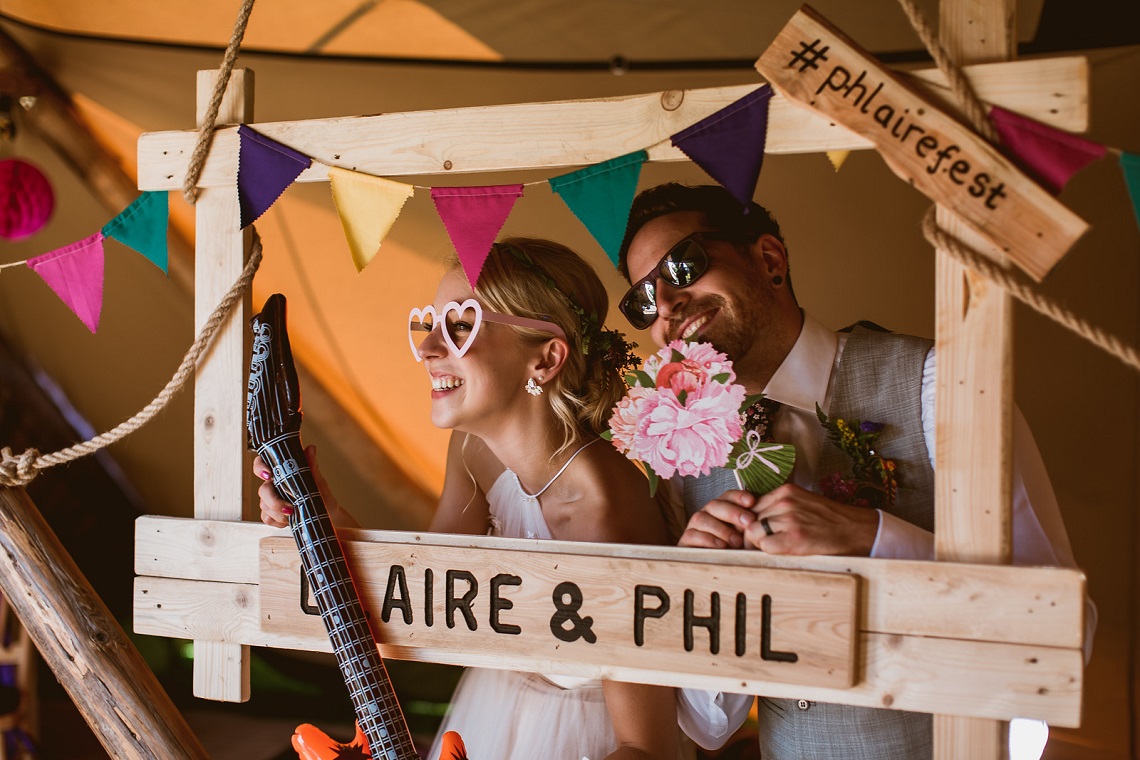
(767,528)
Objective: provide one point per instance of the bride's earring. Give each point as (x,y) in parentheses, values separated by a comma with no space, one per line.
(532,387)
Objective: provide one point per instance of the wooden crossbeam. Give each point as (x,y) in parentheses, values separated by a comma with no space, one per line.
(572,133)
(934,637)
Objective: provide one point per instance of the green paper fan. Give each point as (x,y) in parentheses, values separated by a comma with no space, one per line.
(768,465)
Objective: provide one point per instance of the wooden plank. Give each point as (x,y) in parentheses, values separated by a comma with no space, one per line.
(572,133)
(1042,606)
(816,65)
(919,673)
(87,650)
(221,464)
(974,398)
(793,626)
(973,424)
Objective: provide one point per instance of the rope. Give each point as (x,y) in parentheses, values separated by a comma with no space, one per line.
(971,104)
(1023,290)
(206,132)
(19,470)
(1017,286)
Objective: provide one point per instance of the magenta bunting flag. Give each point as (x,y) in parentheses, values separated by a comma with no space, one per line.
(729,144)
(600,196)
(1051,156)
(75,273)
(473,217)
(265,169)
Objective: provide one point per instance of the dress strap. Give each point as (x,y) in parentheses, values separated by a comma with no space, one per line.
(560,471)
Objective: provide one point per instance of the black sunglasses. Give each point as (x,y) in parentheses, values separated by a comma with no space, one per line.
(681,266)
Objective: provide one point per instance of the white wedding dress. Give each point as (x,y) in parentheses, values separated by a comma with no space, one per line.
(507,715)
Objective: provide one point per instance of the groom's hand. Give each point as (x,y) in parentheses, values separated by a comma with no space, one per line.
(802,522)
(721,523)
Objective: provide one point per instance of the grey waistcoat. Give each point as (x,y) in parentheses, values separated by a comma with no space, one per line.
(879,378)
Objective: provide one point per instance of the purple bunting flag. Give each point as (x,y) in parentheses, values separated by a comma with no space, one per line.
(1051,156)
(473,217)
(729,144)
(75,273)
(265,169)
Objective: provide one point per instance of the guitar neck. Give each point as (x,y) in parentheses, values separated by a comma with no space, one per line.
(322,557)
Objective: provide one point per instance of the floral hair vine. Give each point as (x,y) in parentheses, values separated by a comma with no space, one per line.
(616,352)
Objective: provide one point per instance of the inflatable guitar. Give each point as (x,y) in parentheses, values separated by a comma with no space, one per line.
(273,420)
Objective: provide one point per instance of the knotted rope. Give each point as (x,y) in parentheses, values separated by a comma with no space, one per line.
(21,469)
(206,132)
(1018,287)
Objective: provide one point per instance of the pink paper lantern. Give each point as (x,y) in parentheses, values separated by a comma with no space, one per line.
(26,199)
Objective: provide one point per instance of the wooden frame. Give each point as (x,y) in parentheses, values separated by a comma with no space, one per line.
(198,578)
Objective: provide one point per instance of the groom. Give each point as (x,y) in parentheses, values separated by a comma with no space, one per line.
(701,269)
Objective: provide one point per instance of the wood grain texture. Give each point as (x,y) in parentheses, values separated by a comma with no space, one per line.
(87,650)
(573,133)
(973,424)
(815,65)
(921,673)
(1039,606)
(221,463)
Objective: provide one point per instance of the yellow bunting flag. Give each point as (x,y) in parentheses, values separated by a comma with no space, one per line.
(837,157)
(367,207)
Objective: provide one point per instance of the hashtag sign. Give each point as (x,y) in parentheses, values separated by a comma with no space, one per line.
(816,66)
(808,56)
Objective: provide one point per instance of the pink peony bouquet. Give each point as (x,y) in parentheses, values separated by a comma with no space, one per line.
(683,415)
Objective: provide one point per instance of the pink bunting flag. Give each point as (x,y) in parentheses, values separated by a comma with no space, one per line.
(1050,155)
(473,217)
(75,273)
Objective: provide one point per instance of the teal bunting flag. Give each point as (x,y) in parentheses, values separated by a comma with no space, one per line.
(142,226)
(601,195)
(1130,165)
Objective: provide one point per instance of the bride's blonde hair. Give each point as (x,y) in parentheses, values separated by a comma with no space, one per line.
(531,277)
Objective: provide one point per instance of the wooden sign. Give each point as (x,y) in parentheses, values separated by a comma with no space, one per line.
(817,66)
(573,612)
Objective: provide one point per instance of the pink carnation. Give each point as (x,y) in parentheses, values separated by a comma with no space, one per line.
(689,439)
(703,355)
(627,416)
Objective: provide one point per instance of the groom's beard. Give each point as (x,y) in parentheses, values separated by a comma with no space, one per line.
(730,331)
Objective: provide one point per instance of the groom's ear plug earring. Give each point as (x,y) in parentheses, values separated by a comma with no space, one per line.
(532,387)
(777,280)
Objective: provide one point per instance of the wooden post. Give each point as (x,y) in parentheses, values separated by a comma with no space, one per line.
(221,464)
(973,334)
(87,650)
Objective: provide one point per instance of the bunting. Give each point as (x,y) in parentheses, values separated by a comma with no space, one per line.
(837,158)
(601,195)
(142,226)
(473,217)
(75,273)
(367,207)
(1051,156)
(265,169)
(730,143)
(1130,165)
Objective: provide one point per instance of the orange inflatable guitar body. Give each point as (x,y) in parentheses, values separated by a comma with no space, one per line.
(312,743)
